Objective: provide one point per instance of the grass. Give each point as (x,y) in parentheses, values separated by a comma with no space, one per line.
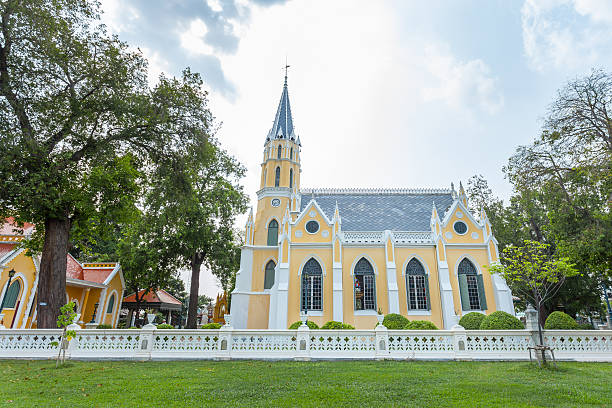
(313,384)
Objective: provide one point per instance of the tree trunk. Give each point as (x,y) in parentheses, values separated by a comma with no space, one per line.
(52,275)
(192,313)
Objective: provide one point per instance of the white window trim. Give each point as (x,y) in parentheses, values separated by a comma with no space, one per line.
(365,312)
(420,312)
(467,227)
(315,313)
(318,229)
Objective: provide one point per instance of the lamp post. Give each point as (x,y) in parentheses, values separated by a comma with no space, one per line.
(10,277)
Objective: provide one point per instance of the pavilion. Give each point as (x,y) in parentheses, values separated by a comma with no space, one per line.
(157,300)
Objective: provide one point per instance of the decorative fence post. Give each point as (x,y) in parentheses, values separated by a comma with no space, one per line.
(73,344)
(460,343)
(147,337)
(225,339)
(382,342)
(1,321)
(303,340)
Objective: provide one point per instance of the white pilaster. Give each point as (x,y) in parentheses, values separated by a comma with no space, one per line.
(392,288)
(446,295)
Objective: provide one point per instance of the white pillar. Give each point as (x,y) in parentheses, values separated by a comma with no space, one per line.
(338,314)
(240,295)
(446,295)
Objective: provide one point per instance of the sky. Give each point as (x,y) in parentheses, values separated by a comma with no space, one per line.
(383,93)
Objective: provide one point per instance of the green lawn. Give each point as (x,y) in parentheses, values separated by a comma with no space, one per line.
(315,384)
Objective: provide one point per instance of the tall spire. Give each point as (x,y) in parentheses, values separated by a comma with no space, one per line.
(283,121)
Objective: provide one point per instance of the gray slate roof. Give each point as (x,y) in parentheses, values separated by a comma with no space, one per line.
(380,211)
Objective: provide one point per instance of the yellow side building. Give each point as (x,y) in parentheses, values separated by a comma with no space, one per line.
(344,254)
(95,288)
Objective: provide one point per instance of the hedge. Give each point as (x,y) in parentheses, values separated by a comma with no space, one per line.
(560,321)
(165,326)
(472,321)
(394,321)
(211,326)
(333,325)
(311,325)
(104,326)
(501,321)
(421,325)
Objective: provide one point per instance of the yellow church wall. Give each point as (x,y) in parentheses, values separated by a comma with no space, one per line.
(492,252)
(259,309)
(376,256)
(260,259)
(308,237)
(25,272)
(265,213)
(480,258)
(427,256)
(298,258)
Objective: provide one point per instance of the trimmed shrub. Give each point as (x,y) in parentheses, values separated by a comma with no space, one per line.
(394,321)
(104,326)
(560,321)
(211,326)
(134,327)
(586,326)
(421,325)
(311,325)
(472,321)
(333,325)
(501,321)
(164,326)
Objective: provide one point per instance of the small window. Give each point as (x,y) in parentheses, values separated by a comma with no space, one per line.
(111,304)
(269,275)
(365,286)
(277,177)
(312,227)
(311,286)
(12,294)
(291,153)
(265,175)
(460,227)
(273,233)
(280,151)
(290,178)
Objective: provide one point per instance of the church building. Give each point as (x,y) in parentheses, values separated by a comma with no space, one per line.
(346,254)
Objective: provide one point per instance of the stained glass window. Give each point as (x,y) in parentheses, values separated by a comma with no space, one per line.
(364,286)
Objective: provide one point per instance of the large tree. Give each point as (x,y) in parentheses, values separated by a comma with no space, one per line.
(74,106)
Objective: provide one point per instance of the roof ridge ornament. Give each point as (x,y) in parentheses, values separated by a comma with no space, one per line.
(375,191)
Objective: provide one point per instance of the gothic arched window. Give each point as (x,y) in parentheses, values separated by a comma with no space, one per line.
(12,294)
(269,275)
(290,178)
(111,304)
(273,233)
(291,153)
(471,286)
(280,151)
(277,177)
(417,286)
(364,286)
(311,286)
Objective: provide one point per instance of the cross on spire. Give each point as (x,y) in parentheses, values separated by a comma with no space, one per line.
(286,68)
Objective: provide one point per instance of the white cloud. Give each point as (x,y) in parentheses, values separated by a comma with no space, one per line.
(192,38)
(461,85)
(565,34)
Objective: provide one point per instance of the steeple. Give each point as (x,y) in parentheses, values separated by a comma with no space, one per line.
(283,121)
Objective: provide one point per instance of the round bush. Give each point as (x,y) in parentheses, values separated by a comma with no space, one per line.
(472,321)
(586,326)
(164,326)
(560,321)
(332,325)
(501,321)
(311,325)
(104,326)
(211,326)
(421,325)
(394,321)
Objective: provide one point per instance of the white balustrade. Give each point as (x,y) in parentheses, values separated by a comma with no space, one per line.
(229,343)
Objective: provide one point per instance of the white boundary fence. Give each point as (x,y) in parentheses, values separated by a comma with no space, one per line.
(305,344)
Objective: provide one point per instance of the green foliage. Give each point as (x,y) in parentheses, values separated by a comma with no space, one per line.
(394,321)
(211,326)
(421,325)
(122,325)
(311,325)
(471,321)
(67,315)
(560,321)
(333,325)
(104,326)
(164,326)
(501,321)
(586,326)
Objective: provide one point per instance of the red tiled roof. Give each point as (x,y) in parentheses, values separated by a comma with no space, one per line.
(159,296)
(96,275)
(6,248)
(9,227)
(74,270)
